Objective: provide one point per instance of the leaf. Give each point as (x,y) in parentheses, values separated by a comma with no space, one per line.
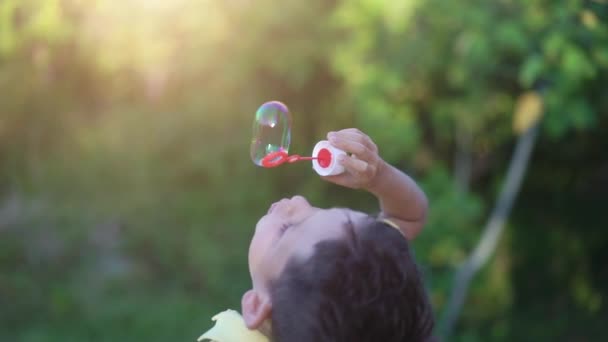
(531,70)
(528,111)
(576,64)
(553,45)
(589,19)
(512,36)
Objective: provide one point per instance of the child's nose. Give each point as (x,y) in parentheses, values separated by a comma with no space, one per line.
(299,200)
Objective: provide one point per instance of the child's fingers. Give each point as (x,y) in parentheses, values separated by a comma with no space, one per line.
(355,135)
(353,147)
(356,166)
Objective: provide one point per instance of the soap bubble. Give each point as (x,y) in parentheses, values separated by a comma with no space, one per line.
(271,131)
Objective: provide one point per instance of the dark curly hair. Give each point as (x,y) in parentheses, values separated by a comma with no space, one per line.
(365,287)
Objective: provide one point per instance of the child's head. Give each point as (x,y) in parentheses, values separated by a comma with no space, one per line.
(333,274)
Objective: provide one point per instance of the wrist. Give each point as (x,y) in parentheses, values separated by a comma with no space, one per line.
(378,184)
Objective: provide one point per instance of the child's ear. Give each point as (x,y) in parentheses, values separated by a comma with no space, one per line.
(255,309)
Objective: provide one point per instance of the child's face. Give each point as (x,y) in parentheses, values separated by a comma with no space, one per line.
(292,227)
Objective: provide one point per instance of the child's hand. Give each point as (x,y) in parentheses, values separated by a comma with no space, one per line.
(363,165)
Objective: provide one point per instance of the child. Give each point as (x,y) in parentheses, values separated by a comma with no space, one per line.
(337,274)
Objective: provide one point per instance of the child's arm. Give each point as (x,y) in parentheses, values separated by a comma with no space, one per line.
(400,198)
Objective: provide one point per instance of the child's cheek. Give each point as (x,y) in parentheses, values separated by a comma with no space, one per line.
(259,245)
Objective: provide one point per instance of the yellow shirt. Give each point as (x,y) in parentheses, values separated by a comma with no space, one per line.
(230,327)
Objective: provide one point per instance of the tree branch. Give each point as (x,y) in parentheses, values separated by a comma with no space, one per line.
(492,231)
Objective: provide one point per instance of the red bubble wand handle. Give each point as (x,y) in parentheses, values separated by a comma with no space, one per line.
(277,158)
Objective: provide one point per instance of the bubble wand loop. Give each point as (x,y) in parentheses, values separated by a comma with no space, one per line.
(277,158)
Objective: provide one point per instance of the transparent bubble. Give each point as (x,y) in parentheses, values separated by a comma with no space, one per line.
(271,131)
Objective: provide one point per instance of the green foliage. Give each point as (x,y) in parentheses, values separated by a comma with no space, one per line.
(127,197)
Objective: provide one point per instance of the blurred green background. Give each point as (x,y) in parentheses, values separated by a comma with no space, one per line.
(128,198)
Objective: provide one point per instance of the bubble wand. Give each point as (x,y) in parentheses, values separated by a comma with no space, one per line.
(272,137)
